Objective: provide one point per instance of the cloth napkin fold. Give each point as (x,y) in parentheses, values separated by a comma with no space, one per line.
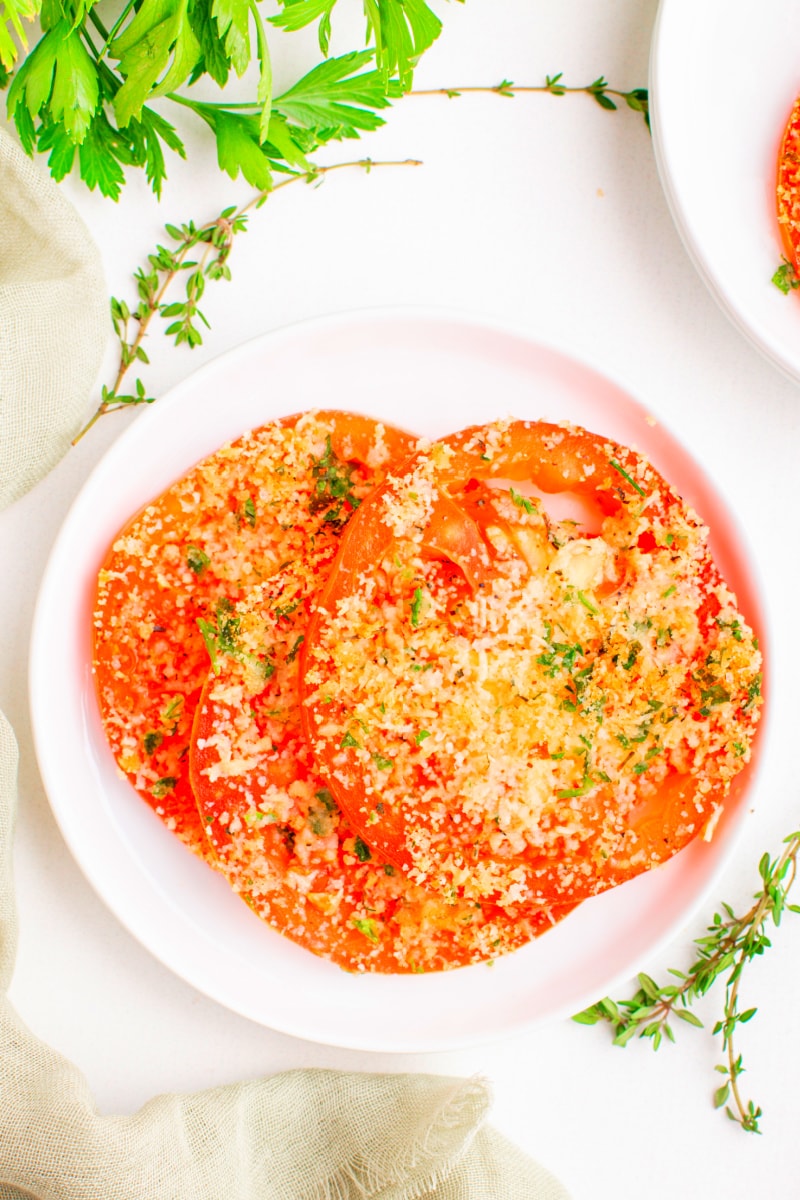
(301,1135)
(54,321)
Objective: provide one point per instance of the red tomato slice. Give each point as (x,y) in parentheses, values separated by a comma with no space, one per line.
(540,712)
(788,188)
(230,522)
(274,824)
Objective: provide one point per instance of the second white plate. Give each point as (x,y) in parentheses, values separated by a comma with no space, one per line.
(723,77)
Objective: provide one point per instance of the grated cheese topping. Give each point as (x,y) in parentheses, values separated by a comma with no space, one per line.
(512,741)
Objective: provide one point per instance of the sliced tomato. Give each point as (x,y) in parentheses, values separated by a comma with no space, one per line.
(788,188)
(527,764)
(273,822)
(230,522)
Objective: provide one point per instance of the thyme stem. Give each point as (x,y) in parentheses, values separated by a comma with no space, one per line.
(217,238)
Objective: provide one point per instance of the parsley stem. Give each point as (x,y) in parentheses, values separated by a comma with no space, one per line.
(98,24)
(115,28)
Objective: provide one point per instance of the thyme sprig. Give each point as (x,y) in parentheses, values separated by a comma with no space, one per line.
(599,90)
(214,241)
(729,944)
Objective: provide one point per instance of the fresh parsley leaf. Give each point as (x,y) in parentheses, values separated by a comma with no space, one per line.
(337,98)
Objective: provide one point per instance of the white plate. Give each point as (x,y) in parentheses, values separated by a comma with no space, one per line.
(723,77)
(432,373)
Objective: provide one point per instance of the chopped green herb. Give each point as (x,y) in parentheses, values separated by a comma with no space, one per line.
(250,512)
(258,818)
(672,588)
(319,820)
(633,653)
(587,604)
(753,692)
(333,484)
(786,278)
(416,605)
(197,560)
(735,628)
(292,655)
(711,696)
(420,738)
(362,850)
(348,742)
(522,501)
(367,926)
(641,767)
(626,476)
(162,786)
(173,709)
(152,741)
(383,764)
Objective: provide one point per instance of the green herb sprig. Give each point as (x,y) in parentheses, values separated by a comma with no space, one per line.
(166,265)
(329,96)
(729,944)
(599,90)
(89,96)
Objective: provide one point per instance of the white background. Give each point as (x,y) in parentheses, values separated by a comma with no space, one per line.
(547,213)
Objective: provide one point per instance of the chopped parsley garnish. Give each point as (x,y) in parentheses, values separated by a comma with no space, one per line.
(416,606)
(250,512)
(753,692)
(367,926)
(650,754)
(319,819)
(173,709)
(571,793)
(292,655)
(420,738)
(162,786)
(327,799)
(711,696)
(333,487)
(383,764)
(559,656)
(633,653)
(197,560)
(785,278)
(735,628)
(625,475)
(348,742)
(258,818)
(587,604)
(522,501)
(222,637)
(152,741)
(362,850)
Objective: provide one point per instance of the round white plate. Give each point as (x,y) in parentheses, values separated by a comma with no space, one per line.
(724,75)
(431,373)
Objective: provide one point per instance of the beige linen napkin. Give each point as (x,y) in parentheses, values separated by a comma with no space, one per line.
(302,1135)
(54,321)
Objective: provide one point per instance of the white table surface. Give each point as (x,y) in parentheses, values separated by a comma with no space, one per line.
(546,213)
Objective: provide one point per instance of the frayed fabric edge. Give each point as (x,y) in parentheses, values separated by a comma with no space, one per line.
(356,1180)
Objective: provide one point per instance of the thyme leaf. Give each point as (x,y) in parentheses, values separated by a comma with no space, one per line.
(721,955)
